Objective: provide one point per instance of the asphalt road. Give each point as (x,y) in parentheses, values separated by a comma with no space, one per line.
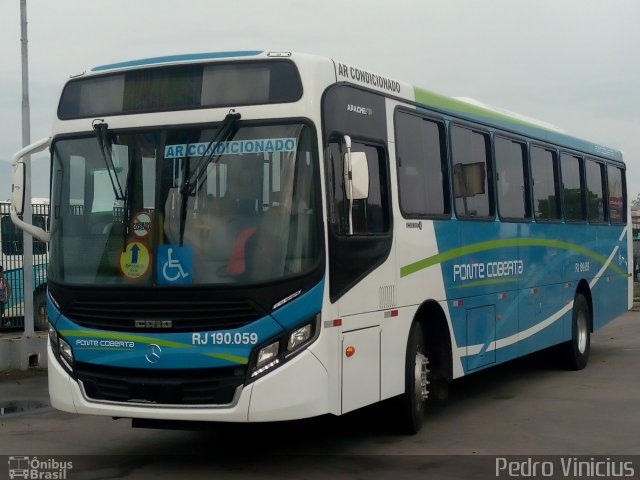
(527,407)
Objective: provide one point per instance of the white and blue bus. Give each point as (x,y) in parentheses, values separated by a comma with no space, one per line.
(260,236)
(11,259)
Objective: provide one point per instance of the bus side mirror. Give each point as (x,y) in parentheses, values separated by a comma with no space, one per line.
(359,188)
(17,188)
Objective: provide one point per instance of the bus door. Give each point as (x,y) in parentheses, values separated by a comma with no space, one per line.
(362,268)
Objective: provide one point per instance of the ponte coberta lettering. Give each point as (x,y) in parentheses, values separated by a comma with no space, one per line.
(483,270)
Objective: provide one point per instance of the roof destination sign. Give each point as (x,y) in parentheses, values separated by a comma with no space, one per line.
(235,147)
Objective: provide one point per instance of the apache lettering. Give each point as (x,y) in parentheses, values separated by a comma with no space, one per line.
(359,109)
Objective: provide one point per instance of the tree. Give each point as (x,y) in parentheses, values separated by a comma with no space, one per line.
(635,204)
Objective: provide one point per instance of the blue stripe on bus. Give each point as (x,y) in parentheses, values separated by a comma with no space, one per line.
(183,349)
(301,308)
(176,58)
(176,350)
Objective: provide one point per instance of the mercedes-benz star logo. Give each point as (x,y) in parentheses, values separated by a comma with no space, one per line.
(153,353)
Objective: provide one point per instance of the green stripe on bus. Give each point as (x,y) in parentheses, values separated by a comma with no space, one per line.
(504,243)
(443,102)
(229,357)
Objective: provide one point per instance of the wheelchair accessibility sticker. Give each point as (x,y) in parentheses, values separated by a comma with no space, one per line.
(175,264)
(135,261)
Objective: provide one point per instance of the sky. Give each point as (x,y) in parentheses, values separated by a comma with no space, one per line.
(572,63)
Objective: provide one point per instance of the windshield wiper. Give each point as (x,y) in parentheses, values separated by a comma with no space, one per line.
(106,149)
(227,131)
(105,144)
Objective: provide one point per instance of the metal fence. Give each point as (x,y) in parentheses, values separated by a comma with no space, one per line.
(11,258)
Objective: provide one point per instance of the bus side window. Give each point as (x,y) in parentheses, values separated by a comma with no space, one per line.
(511,179)
(371,215)
(545,180)
(422,166)
(471,153)
(617,195)
(595,192)
(353,256)
(573,191)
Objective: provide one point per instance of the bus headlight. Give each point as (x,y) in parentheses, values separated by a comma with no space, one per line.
(66,354)
(267,353)
(298,337)
(283,347)
(53,337)
(61,349)
(267,358)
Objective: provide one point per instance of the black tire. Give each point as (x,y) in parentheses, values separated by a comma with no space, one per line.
(412,402)
(40,316)
(576,351)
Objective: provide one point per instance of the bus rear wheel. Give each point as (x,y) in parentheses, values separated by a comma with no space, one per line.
(412,402)
(576,350)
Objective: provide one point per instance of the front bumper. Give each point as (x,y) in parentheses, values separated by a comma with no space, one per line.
(297,389)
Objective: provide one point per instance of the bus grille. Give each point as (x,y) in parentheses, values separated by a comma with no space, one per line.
(163,387)
(163,316)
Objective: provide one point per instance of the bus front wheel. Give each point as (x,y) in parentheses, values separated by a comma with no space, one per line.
(576,350)
(416,381)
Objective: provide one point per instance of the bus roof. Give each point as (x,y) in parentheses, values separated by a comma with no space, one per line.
(189,57)
(475,111)
(462,108)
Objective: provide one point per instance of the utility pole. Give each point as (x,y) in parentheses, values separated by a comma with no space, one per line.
(27,259)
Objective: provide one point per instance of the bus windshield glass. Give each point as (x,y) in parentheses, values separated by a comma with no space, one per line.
(251,218)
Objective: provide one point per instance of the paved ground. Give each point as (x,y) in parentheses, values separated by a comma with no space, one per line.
(527,407)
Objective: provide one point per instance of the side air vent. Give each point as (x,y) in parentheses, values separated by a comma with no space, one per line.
(387,297)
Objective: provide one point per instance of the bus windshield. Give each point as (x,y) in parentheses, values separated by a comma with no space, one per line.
(251,217)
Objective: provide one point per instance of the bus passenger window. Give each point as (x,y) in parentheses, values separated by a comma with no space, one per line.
(545,180)
(595,189)
(470,150)
(420,145)
(572,188)
(510,167)
(617,195)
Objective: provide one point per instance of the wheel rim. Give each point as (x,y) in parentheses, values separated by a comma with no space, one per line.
(582,331)
(420,377)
